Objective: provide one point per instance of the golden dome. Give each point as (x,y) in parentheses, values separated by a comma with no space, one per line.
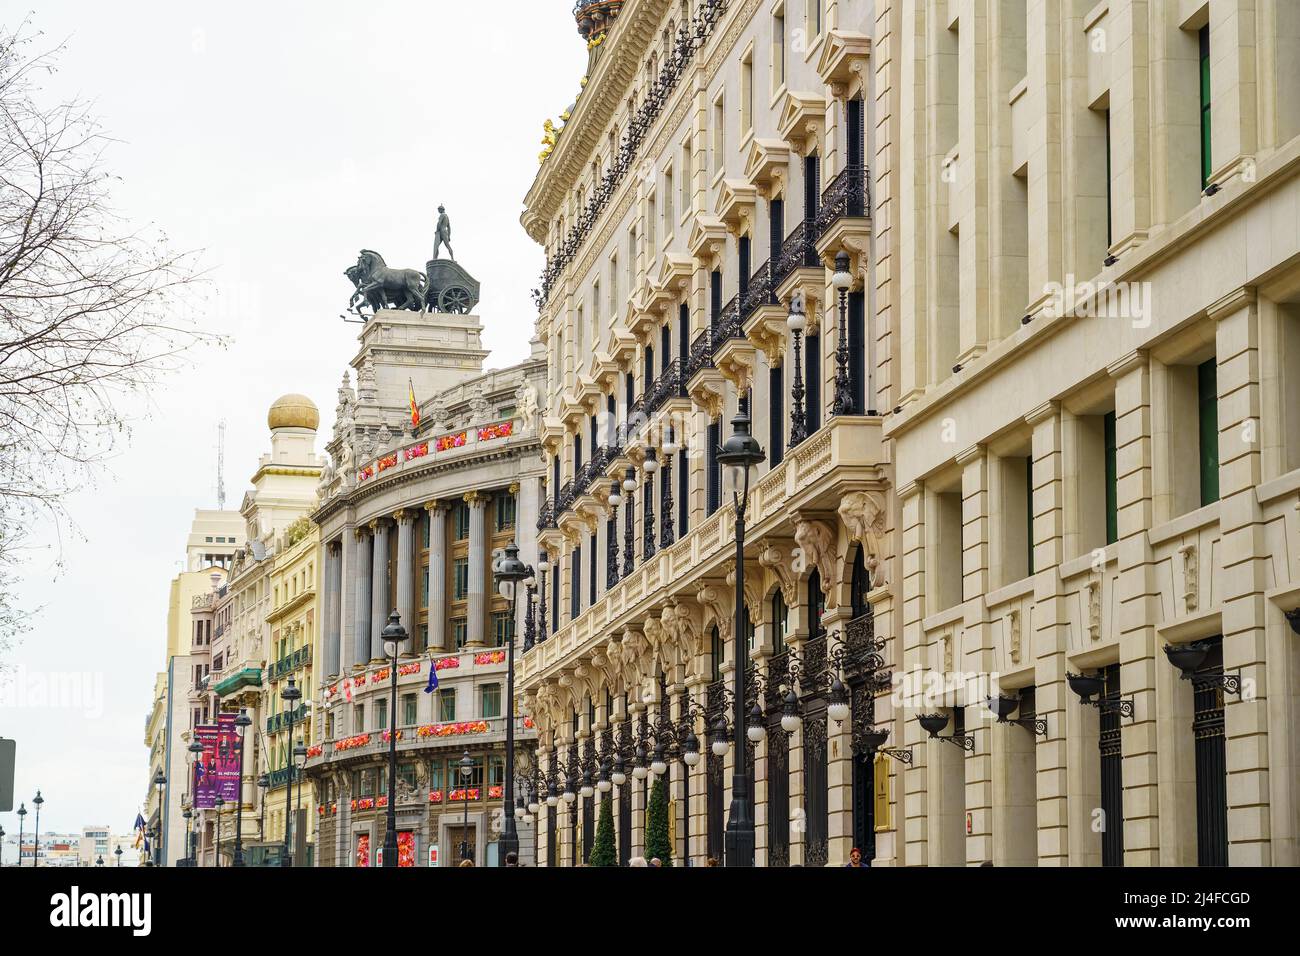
(293,411)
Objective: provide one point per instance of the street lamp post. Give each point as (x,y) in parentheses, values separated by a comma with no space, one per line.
(740,456)
(842,281)
(796,322)
(263,784)
(299,758)
(195,748)
(99,861)
(290,695)
(118,853)
(393,634)
(466,767)
(2,847)
(220,803)
(510,572)
(36,848)
(543,626)
(242,723)
(188,814)
(22,818)
(159,781)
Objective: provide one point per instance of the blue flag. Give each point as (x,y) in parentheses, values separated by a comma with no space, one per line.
(433,679)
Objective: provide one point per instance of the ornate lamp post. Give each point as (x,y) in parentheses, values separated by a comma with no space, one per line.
(466,768)
(242,722)
(629,518)
(263,784)
(22,818)
(36,802)
(842,280)
(796,322)
(611,544)
(668,530)
(740,455)
(188,814)
(299,759)
(290,695)
(393,634)
(650,465)
(510,571)
(543,625)
(118,853)
(220,804)
(530,613)
(196,755)
(2,848)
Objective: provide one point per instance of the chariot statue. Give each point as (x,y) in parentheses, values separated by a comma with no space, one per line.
(381,286)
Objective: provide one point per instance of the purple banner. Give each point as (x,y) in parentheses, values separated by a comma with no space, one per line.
(217,772)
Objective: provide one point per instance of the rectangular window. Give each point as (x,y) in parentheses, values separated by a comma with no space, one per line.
(1207,394)
(776,415)
(669,192)
(460,630)
(446,704)
(592,553)
(1203,38)
(688,170)
(713,498)
(358,718)
(575,583)
(651,227)
(1112,478)
(409,712)
(460,516)
(858,350)
(460,579)
(813,19)
(381,713)
(719,133)
(747,94)
(505,512)
(501,628)
(812,381)
(778,49)
(683,494)
(490,701)
(1029,513)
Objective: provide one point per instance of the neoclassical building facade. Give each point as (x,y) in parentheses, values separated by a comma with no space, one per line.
(412,516)
(1096,437)
(710,180)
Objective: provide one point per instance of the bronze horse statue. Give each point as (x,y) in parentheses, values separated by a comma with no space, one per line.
(396,288)
(374,298)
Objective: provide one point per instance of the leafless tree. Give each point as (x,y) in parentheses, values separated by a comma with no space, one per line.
(92,310)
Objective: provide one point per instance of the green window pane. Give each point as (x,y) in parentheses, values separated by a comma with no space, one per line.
(1112,479)
(1207,388)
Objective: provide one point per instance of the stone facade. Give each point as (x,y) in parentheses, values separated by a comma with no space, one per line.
(412,517)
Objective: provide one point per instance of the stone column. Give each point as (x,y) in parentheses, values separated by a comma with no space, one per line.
(1139,607)
(406,570)
(378,588)
(910,826)
(361,583)
(969,651)
(1256,823)
(635,709)
(437,575)
(333,619)
(478,543)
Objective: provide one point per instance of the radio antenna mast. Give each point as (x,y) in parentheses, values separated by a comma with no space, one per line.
(221,465)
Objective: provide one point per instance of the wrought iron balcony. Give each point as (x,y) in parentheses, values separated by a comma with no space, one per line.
(799,251)
(701,356)
(690,37)
(670,384)
(847,197)
(729,325)
(546,515)
(761,292)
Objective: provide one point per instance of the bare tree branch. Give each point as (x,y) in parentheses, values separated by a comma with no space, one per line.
(92,311)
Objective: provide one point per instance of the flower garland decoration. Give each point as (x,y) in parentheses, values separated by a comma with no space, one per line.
(388,461)
(491,657)
(595,41)
(435,796)
(499,430)
(412,668)
(416,451)
(315,750)
(446,663)
(388,734)
(528,723)
(363,803)
(495,793)
(366,472)
(352,743)
(460,794)
(453,730)
(447,442)
(379,675)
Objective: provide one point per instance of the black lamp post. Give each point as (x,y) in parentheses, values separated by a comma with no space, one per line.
(299,760)
(196,749)
(118,853)
(22,815)
(667,527)
(99,861)
(466,768)
(543,624)
(188,860)
(263,784)
(740,456)
(842,280)
(393,635)
(796,322)
(629,518)
(242,722)
(290,695)
(510,571)
(36,802)
(2,848)
(611,543)
(220,804)
(649,465)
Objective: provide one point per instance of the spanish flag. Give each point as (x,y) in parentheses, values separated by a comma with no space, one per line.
(415,409)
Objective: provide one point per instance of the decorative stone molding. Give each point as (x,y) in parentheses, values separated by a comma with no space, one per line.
(865,518)
(816,541)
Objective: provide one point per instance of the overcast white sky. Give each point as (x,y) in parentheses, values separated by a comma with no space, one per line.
(280,137)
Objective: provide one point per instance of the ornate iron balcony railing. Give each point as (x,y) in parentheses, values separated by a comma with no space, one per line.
(799,251)
(847,197)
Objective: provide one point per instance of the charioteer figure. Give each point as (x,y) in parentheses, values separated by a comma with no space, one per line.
(444,234)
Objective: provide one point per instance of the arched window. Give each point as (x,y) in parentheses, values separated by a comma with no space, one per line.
(715,652)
